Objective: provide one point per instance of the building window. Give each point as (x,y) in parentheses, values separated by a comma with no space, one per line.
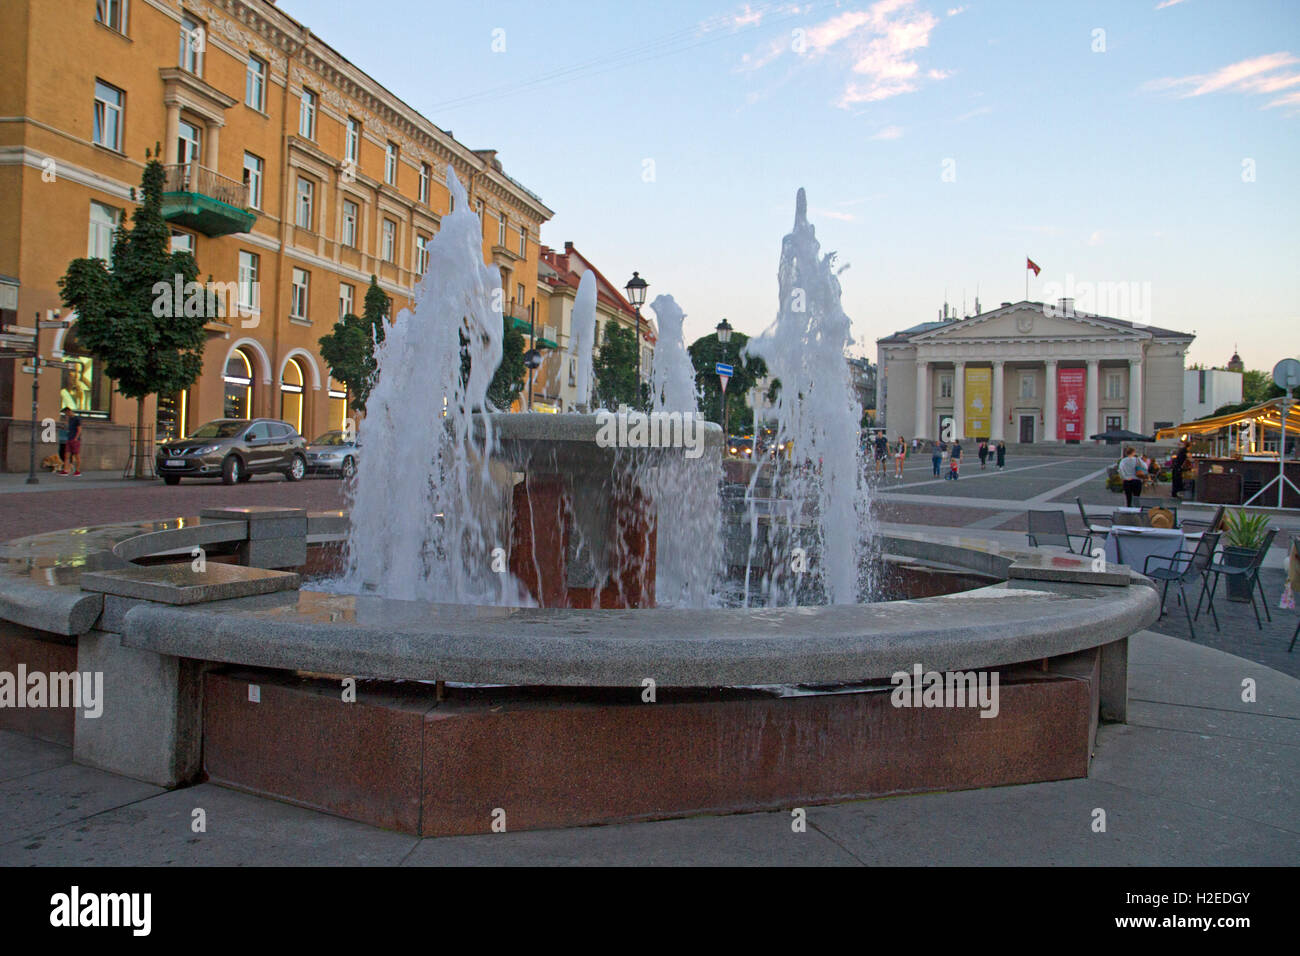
(182,241)
(1201,388)
(573,371)
(421,254)
(291,381)
(390,163)
(253,179)
(501,231)
(1114,423)
(255,84)
(239,386)
(306,195)
(426,174)
(85,388)
(111,13)
(301,288)
(347,295)
(1027,385)
(307,114)
(1114,384)
(189,142)
(338,393)
(193,41)
(350,212)
(481,210)
(523,243)
(108,115)
(250,298)
(945,386)
(390,240)
(352,140)
(519,292)
(103,221)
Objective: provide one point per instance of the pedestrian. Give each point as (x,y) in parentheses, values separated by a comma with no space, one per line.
(954,458)
(882,452)
(1180,462)
(1131,472)
(1002,455)
(900,456)
(72,447)
(936,456)
(984,454)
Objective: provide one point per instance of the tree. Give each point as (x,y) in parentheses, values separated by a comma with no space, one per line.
(508,381)
(143,315)
(615,369)
(349,350)
(705,353)
(1257,387)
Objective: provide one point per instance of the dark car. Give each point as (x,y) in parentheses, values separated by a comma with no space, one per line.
(235,449)
(741,447)
(333,453)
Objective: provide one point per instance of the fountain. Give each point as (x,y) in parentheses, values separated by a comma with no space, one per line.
(544,620)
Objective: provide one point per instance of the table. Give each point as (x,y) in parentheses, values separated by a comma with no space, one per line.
(1137,543)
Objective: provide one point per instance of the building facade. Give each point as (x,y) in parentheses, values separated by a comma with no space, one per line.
(1030,373)
(1205,390)
(292,176)
(559,272)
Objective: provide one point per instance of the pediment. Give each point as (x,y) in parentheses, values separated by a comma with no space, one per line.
(1026,323)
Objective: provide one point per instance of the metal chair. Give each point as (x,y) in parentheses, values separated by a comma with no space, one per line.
(1249,572)
(1049,528)
(1193,528)
(1092,525)
(1194,564)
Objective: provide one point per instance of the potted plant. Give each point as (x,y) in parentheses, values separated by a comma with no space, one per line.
(1243,536)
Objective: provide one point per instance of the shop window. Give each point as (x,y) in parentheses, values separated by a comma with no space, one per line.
(85,389)
(239,386)
(338,403)
(291,392)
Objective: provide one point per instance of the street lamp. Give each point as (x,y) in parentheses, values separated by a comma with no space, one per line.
(724,338)
(635,288)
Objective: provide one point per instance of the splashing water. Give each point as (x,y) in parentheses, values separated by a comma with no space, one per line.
(685,491)
(425,512)
(582,338)
(829,512)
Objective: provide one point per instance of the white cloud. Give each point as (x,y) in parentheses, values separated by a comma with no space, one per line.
(1095,238)
(953,11)
(890,132)
(1256,75)
(1167,3)
(832,214)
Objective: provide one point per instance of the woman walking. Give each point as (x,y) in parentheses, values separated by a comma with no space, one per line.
(984,454)
(1180,464)
(1002,455)
(1131,473)
(936,456)
(900,456)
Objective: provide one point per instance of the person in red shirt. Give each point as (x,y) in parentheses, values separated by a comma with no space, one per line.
(72,450)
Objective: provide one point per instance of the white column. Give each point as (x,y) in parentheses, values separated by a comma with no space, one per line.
(1093,402)
(1135,396)
(998,429)
(922,425)
(212,148)
(958,400)
(1049,402)
(173,130)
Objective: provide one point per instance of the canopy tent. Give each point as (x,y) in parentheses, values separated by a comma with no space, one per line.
(1264,416)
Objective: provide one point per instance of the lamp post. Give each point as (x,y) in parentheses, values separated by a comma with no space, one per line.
(724,339)
(635,288)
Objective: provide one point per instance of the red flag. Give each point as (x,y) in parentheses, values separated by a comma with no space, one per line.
(1031,264)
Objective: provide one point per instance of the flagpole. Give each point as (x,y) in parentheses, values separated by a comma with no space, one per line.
(1026,277)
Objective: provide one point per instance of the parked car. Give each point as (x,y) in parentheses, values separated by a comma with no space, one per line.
(333,454)
(235,449)
(741,447)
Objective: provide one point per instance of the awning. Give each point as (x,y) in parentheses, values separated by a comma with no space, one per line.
(1265,415)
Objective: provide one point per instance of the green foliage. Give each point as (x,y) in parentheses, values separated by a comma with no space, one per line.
(1242,529)
(349,350)
(508,380)
(614,367)
(1257,387)
(705,353)
(150,341)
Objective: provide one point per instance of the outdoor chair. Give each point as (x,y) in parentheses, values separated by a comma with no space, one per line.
(1182,566)
(1249,573)
(1049,528)
(1094,526)
(1193,529)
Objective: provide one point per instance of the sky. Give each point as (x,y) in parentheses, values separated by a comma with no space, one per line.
(1144,153)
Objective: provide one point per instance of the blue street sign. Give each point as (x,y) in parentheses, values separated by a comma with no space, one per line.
(722,368)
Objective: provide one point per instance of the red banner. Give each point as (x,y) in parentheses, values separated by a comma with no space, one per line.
(1071,399)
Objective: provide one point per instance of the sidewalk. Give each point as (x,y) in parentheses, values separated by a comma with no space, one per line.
(1197,777)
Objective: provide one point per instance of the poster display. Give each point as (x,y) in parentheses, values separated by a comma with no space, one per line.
(979,401)
(1071,398)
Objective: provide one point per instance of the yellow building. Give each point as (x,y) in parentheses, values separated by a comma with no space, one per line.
(291,174)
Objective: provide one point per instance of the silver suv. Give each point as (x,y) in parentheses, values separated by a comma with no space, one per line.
(234,449)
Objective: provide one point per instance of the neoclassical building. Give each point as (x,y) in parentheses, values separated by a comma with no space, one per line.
(1030,373)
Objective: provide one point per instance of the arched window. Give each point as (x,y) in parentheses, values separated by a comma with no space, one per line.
(239,386)
(291,381)
(338,403)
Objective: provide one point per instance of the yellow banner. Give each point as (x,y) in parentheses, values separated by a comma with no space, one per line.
(979,401)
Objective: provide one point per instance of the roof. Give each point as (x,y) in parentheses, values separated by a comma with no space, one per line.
(1267,415)
(565,274)
(1156,332)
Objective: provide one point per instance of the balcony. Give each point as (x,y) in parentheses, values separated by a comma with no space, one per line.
(199,198)
(545,334)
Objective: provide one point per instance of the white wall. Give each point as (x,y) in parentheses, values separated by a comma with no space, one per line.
(1221,388)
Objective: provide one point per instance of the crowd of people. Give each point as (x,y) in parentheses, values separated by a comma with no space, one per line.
(941,452)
